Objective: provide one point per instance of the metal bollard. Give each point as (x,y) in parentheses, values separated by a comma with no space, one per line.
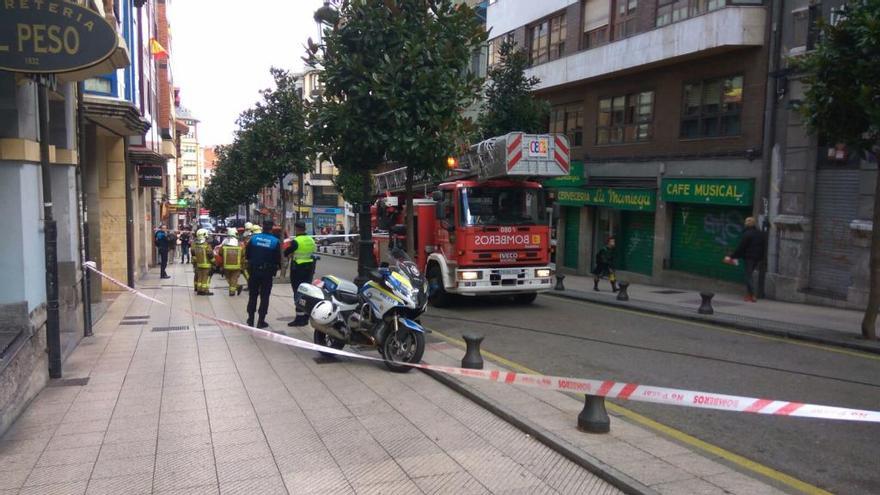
(594,418)
(472,358)
(622,294)
(706,305)
(559,278)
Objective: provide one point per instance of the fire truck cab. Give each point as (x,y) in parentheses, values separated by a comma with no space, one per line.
(485,230)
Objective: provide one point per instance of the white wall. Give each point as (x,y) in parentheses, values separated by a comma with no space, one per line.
(23,262)
(506,15)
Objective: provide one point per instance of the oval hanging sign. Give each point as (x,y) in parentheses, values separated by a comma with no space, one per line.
(52,36)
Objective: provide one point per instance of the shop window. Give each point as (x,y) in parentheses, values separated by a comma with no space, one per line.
(712,108)
(626,119)
(547,40)
(596,15)
(568,120)
(626,19)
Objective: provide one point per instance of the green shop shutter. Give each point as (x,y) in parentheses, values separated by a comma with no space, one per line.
(703,235)
(635,247)
(572,237)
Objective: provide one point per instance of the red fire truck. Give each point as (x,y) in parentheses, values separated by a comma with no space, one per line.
(485,229)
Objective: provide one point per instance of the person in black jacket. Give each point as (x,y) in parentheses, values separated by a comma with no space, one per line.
(751,250)
(263,253)
(162,243)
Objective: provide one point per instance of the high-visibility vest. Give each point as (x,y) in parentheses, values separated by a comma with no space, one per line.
(231,257)
(201,253)
(305,247)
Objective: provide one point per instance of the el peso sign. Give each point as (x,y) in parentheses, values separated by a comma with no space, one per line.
(52,36)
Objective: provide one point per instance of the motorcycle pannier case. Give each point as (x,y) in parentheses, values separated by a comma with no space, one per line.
(307,296)
(344,290)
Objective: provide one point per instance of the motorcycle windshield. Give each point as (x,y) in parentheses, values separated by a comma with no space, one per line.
(407,266)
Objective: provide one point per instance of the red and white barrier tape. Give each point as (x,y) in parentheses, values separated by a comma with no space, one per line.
(609,389)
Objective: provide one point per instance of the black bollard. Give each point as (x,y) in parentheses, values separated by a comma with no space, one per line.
(621,294)
(472,358)
(706,305)
(559,278)
(593,418)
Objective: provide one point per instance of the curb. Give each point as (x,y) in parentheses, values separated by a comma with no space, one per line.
(602,470)
(722,320)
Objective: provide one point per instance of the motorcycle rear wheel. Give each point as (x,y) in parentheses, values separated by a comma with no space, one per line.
(325,340)
(403,346)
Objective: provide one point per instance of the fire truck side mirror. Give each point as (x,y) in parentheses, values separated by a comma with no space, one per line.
(437,196)
(440,211)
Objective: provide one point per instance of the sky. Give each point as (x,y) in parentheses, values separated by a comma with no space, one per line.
(222,50)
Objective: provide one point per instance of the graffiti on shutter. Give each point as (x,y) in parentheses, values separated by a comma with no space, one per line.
(837,196)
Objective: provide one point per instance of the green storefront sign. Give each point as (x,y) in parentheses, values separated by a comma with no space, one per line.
(575,177)
(733,192)
(621,199)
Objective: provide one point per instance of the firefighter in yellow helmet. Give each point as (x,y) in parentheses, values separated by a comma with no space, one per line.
(201,259)
(245,238)
(232,255)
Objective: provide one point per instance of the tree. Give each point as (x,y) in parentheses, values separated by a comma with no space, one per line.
(509,104)
(234,181)
(395,87)
(842,104)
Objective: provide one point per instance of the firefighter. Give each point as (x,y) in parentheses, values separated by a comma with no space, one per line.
(245,238)
(302,267)
(263,254)
(231,255)
(201,259)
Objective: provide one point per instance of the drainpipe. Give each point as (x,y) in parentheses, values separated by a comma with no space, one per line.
(83,213)
(50,236)
(129,219)
(769,138)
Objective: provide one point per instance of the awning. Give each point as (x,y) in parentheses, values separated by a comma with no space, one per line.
(145,155)
(119,116)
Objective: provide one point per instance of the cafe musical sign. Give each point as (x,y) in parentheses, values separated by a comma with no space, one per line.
(52,36)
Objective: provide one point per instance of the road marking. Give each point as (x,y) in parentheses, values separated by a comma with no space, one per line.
(679,435)
(720,327)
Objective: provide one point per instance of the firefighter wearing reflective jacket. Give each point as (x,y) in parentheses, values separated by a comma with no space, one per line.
(231,254)
(302,269)
(201,259)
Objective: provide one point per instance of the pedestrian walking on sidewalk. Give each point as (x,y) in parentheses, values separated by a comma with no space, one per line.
(185,243)
(750,250)
(605,265)
(263,254)
(161,241)
(302,268)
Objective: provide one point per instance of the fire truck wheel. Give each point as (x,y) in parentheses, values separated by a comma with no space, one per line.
(438,297)
(525,298)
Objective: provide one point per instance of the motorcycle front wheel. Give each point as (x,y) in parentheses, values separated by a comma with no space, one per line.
(325,340)
(403,346)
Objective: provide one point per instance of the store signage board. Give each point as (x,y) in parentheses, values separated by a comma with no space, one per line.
(732,192)
(617,198)
(52,36)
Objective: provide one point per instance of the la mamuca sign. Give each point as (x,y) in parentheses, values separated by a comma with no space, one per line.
(620,199)
(52,36)
(733,192)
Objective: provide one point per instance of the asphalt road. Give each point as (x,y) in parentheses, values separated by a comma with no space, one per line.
(571,338)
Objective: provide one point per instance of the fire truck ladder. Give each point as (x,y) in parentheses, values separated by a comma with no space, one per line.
(395,180)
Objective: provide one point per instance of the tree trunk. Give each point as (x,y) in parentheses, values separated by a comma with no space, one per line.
(301,192)
(283,207)
(869,328)
(366,261)
(410,216)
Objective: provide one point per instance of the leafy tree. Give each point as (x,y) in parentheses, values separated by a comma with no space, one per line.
(234,181)
(509,104)
(395,87)
(842,104)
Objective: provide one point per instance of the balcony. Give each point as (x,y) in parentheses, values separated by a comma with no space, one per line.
(715,32)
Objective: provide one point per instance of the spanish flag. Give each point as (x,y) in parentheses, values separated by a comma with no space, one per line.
(157,50)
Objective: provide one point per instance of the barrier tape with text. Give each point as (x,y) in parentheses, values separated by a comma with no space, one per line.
(604,388)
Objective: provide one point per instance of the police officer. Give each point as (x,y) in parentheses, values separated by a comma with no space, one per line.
(302,267)
(201,259)
(231,260)
(263,254)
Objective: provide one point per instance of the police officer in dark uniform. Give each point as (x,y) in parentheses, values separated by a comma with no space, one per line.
(263,253)
(302,267)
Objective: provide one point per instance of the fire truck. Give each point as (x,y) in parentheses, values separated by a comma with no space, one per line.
(484,230)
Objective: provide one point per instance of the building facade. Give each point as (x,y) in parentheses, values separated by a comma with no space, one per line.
(663,105)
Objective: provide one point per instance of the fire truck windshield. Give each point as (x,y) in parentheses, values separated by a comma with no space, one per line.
(501,206)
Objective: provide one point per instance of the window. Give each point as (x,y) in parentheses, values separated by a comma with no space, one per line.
(495,48)
(568,120)
(625,20)
(804,28)
(596,15)
(669,11)
(501,206)
(626,119)
(712,108)
(547,40)
(702,6)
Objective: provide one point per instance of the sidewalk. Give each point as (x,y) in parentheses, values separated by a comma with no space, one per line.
(156,402)
(840,327)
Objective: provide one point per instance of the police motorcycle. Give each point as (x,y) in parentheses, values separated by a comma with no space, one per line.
(380,314)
